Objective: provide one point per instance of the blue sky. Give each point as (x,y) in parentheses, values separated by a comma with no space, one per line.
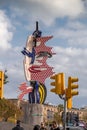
(66,20)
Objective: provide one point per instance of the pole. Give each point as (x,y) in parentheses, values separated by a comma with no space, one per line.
(65,114)
(36,25)
(64,98)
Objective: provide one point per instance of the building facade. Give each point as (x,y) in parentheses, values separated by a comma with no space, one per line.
(37,113)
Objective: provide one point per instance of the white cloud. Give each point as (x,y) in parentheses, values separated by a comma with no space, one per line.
(47,11)
(74,24)
(74,33)
(5,33)
(71,56)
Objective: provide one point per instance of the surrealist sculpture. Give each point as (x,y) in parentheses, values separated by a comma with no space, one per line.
(36,69)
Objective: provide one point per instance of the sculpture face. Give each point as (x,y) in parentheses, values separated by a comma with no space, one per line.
(35,67)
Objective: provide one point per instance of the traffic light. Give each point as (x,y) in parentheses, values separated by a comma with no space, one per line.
(71,86)
(1,84)
(69,103)
(58,83)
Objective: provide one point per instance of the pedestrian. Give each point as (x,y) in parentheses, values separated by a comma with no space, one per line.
(55,126)
(51,126)
(36,127)
(42,126)
(18,127)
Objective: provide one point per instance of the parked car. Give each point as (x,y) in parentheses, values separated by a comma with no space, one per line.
(83,124)
(74,128)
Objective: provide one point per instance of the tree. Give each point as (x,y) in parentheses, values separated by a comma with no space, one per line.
(9,109)
(5,77)
(60,107)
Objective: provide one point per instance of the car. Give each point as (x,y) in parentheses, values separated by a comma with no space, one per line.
(82,124)
(74,128)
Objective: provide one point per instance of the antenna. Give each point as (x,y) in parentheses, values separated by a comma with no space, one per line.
(36,25)
(37,33)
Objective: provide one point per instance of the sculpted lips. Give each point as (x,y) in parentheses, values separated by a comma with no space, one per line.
(34,69)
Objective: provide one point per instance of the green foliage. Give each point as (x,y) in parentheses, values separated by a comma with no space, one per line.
(60,107)
(5,77)
(8,109)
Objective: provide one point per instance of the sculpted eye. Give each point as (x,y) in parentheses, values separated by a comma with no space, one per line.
(44,54)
